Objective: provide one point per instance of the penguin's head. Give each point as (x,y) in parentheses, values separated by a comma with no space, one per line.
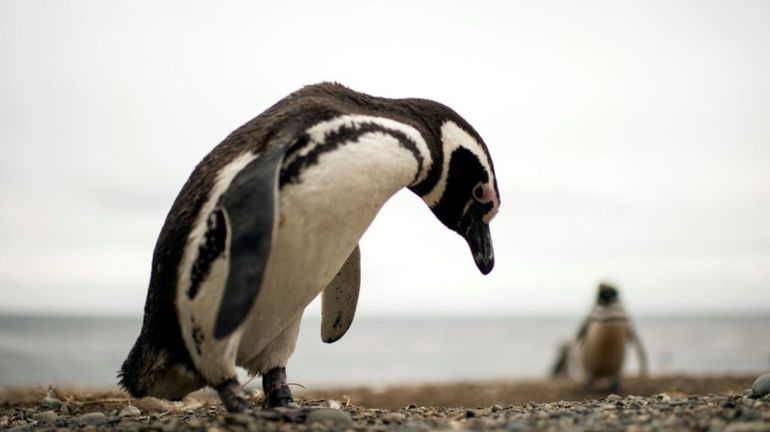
(462,187)
(608,295)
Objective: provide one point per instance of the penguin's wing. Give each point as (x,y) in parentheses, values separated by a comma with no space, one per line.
(640,352)
(583,330)
(339,299)
(250,206)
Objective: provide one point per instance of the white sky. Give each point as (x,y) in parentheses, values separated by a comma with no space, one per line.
(631,142)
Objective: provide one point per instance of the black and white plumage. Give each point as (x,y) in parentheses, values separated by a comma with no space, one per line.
(272,217)
(598,351)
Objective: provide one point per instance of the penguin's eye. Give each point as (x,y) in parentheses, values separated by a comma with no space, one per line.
(478,192)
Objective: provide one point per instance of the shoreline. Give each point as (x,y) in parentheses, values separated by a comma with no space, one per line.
(672,402)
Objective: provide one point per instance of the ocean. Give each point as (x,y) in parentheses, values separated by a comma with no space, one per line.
(89,351)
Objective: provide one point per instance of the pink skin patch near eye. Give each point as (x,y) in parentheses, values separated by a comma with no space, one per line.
(487,196)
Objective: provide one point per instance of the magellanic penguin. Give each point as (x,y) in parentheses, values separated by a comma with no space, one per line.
(598,351)
(272,217)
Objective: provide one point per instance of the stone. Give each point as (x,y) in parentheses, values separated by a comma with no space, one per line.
(517,425)
(45,417)
(748,427)
(612,397)
(50,402)
(239,419)
(129,423)
(170,426)
(92,418)
(393,417)
(328,415)
(761,386)
(130,411)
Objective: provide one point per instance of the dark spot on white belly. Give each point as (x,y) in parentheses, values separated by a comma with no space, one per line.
(211,248)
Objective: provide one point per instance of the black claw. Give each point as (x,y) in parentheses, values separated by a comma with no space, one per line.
(279,397)
(233,398)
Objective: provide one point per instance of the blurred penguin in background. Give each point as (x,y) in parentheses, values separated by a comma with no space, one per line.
(598,351)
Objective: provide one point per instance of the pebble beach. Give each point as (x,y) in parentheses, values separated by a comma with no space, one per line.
(683,403)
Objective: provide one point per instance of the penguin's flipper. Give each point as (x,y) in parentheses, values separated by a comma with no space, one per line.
(339,299)
(250,206)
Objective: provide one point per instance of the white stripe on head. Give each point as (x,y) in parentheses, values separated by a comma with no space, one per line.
(452,138)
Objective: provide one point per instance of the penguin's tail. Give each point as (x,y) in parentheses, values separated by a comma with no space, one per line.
(152,371)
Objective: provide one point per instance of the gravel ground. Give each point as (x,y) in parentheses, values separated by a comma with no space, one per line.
(59,411)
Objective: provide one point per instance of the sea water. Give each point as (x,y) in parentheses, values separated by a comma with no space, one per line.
(89,351)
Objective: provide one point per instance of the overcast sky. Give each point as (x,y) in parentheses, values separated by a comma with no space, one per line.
(631,142)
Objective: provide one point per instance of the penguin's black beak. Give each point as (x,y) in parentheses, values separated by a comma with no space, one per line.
(476,233)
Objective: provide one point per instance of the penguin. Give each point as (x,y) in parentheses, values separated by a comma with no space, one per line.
(271,218)
(599,348)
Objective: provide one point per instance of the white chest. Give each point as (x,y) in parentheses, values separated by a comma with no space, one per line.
(321,220)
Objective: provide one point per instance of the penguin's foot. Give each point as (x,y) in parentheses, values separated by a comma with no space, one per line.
(233,397)
(279,398)
(277,392)
(614,386)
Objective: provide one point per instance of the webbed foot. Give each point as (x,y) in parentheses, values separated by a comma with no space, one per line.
(233,397)
(277,392)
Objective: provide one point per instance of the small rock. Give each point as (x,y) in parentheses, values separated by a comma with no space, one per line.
(241,419)
(336,417)
(130,426)
(517,425)
(748,414)
(747,427)
(50,402)
(393,417)
(45,417)
(92,418)
(612,397)
(170,426)
(130,411)
(761,386)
